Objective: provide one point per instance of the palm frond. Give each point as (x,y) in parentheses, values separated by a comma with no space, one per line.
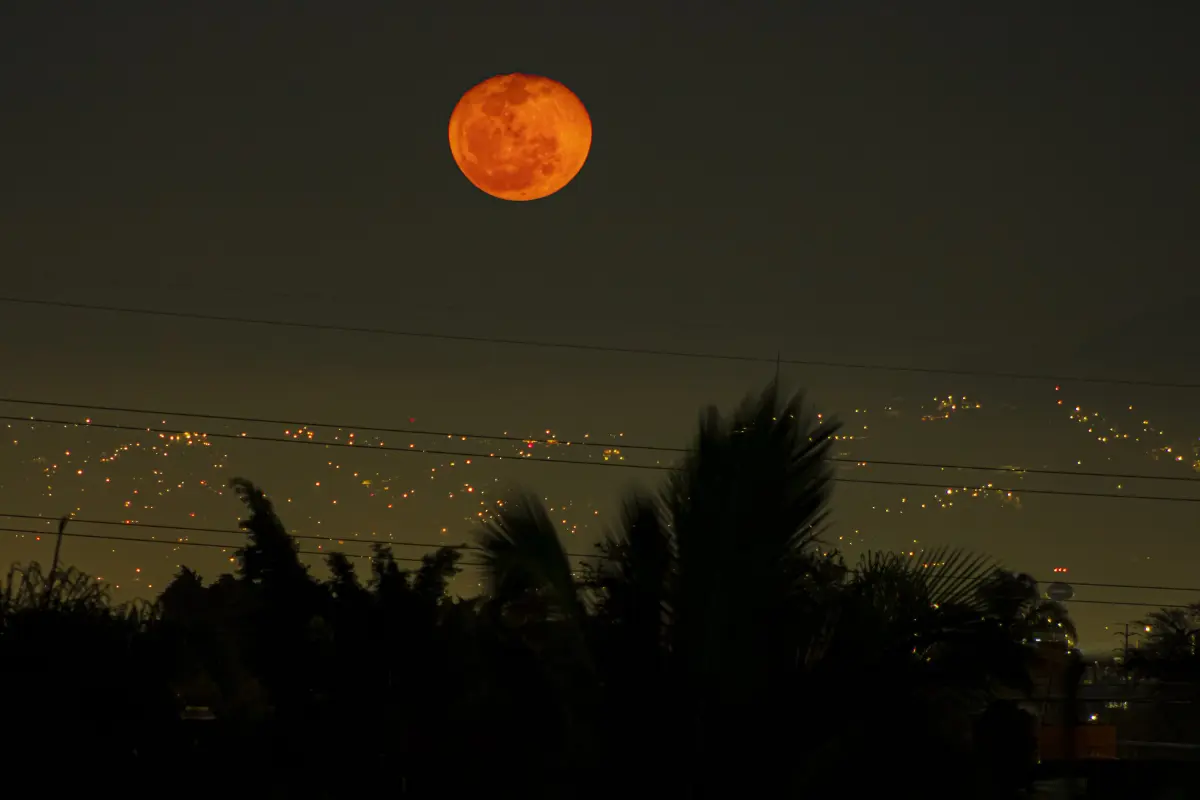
(522,556)
(1008,595)
(955,575)
(1171,634)
(745,510)
(634,578)
(938,577)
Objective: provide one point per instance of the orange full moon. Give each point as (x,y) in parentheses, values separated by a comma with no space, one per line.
(520,137)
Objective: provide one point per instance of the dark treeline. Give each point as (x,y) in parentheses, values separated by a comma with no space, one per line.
(720,648)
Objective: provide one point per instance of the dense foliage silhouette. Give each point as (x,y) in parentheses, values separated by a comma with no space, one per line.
(719,646)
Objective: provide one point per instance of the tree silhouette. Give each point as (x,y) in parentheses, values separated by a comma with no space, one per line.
(284,660)
(269,556)
(1171,633)
(74,661)
(715,618)
(1015,599)
(714,646)
(1168,647)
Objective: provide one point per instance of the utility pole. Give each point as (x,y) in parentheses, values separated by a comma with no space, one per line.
(1125,636)
(777,357)
(62,526)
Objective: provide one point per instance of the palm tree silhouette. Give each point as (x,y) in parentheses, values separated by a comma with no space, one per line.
(715,615)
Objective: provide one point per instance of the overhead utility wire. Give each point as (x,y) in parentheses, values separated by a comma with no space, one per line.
(575,443)
(1128,603)
(545,344)
(217,545)
(602,464)
(352,540)
(1020,490)
(214,545)
(314,537)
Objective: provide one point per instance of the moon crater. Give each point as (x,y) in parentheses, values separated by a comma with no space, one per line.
(520,137)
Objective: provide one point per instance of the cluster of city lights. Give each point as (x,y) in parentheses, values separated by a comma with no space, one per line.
(947,407)
(181,478)
(1137,433)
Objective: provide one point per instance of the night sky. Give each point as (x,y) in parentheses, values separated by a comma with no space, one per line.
(841,182)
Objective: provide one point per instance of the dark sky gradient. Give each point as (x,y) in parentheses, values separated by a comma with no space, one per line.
(1011,191)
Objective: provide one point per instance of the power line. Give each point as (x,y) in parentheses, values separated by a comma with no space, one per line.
(1128,603)
(579,442)
(106,537)
(312,537)
(1110,495)
(350,540)
(1051,492)
(213,545)
(1192,589)
(343,426)
(645,351)
(602,464)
